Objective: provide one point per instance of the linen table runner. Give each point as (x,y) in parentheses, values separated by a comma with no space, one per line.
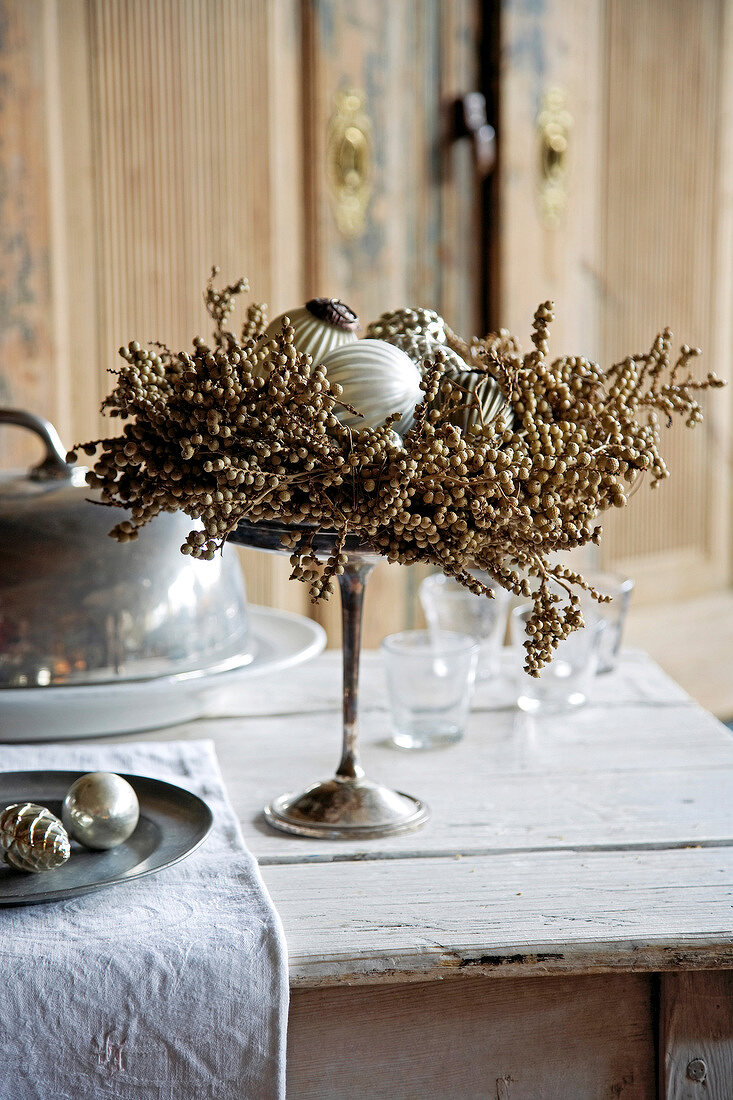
(170,987)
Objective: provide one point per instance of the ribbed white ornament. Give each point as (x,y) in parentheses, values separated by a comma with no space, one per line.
(312,335)
(377,379)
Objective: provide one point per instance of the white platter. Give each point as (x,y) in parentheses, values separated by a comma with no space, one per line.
(69,713)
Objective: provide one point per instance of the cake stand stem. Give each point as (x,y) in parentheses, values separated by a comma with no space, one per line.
(352,584)
(348,806)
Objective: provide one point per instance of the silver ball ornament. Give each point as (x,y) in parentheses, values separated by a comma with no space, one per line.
(100,810)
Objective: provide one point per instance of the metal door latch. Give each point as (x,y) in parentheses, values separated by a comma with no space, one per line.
(349,162)
(470,120)
(554,124)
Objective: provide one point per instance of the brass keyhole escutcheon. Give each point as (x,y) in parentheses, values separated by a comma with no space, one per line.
(349,162)
(554,124)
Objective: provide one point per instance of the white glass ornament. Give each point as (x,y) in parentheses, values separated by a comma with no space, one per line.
(318,327)
(376,379)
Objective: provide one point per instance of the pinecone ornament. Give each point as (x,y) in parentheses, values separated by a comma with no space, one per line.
(412,321)
(32,838)
(481,397)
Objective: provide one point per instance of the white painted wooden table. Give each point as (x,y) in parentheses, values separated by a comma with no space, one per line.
(563,926)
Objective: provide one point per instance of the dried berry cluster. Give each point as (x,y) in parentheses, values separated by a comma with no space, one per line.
(246,429)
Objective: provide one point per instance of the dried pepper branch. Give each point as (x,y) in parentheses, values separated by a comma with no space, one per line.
(247,429)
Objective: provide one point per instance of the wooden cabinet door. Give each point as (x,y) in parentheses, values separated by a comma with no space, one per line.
(144,141)
(667,255)
(158,137)
(398,65)
(643,240)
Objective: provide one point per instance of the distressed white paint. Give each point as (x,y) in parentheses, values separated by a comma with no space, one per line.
(643,766)
(540,913)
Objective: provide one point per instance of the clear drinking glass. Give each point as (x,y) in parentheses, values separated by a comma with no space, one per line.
(450,606)
(430,681)
(614,613)
(567,680)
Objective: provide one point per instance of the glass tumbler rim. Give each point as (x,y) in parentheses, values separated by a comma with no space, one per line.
(524,608)
(597,625)
(403,642)
(442,580)
(521,609)
(620,581)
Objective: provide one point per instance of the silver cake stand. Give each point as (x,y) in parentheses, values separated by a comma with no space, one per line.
(349,805)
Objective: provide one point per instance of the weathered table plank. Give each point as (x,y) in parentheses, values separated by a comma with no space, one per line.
(509,915)
(643,767)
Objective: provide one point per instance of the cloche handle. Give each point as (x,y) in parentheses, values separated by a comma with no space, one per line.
(54,465)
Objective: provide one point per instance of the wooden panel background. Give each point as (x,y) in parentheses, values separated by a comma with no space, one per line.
(30,371)
(645,240)
(666,258)
(143,140)
(555,44)
(536,1038)
(190,124)
(419,246)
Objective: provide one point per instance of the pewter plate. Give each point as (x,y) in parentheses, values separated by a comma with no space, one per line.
(173,823)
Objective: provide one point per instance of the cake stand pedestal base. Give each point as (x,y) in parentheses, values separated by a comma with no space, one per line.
(344,808)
